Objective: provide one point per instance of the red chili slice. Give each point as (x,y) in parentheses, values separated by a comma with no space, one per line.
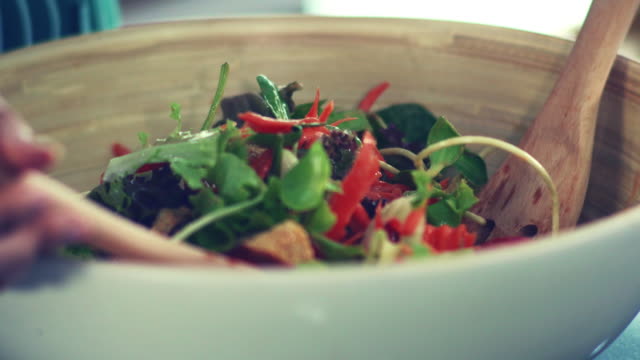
(373,95)
(356,184)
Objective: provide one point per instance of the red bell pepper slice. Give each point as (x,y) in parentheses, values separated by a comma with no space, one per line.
(261,163)
(364,172)
(384,190)
(370,98)
(412,221)
(118,149)
(446,238)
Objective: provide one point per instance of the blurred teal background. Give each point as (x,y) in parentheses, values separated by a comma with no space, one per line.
(28,22)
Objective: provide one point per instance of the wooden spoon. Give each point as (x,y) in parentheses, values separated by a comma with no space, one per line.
(562,135)
(116,235)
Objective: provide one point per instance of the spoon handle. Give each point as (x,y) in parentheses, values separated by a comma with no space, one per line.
(117,236)
(561,137)
(580,84)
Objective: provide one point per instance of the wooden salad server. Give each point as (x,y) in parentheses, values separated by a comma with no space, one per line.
(561,137)
(118,236)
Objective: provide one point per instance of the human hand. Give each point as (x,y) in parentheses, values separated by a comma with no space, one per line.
(30,224)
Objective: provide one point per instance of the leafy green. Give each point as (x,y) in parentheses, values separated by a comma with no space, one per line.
(464,196)
(443,213)
(191,173)
(143,137)
(272,97)
(176,114)
(304,186)
(443,130)
(321,219)
(200,151)
(206,201)
(273,204)
(424,186)
(221,227)
(312,265)
(235,180)
(112,195)
(473,168)
(451,208)
(420,251)
(79,251)
(217,98)
(333,251)
(413,120)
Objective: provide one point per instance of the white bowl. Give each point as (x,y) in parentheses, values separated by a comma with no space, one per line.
(558,298)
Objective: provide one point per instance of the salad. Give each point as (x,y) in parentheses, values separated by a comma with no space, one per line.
(277,182)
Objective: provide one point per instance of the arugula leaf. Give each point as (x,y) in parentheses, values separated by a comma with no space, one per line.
(321,219)
(272,97)
(143,137)
(200,151)
(113,196)
(413,120)
(304,186)
(443,130)
(473,168)
(217,98)
(205,201)
(176,114)
(361,122)
(333,251)
(235,179)
(233,223)
(221,228)
(191,173)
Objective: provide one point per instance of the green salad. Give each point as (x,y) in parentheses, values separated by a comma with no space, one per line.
(282,182)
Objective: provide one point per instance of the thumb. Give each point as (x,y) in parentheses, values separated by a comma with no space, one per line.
(18,148)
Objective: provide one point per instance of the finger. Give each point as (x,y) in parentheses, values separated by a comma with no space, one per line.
(16,219)
(18,196)
(18,150)
(59,229)
(17,252)
(19,249)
